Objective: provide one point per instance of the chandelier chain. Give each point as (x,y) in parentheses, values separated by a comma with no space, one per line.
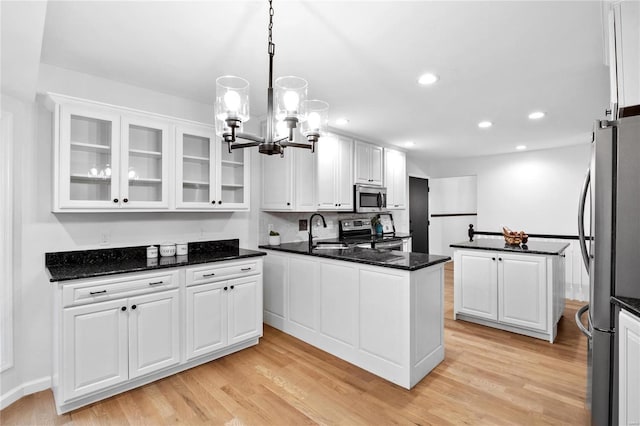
(271,27)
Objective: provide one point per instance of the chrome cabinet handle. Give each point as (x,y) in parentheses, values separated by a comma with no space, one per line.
(246,269)
(156,283)
(208,275)
(97,292)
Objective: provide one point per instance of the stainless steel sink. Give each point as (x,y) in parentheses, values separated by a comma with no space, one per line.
(330,245)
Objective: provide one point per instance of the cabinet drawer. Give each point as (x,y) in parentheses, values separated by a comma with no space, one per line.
(225,271)
(90,291)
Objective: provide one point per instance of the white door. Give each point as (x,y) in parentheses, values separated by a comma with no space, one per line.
(476,291)
(245,308)
(153,332)
(277,182)
(375,171)
(344,182)
(144,171)
(327,152)
(206,324)
(629,373)
(95,346)
(362,162)
(195,168)
(522,290)
(304,166)
(338,299)
(88,174)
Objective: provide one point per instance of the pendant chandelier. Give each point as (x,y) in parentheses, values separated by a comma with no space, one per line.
(288,108)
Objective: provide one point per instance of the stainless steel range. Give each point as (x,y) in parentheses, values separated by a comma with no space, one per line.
(357,232)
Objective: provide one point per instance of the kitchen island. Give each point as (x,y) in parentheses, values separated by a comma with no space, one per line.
(380,310)
(517,288)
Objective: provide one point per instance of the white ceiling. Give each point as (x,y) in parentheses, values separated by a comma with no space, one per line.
(497,61)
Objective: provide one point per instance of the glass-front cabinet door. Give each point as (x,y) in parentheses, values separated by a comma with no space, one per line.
(233,178)
(89,158)
(195,168)
(144,171)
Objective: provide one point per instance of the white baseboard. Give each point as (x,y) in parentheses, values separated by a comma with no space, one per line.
(23,390)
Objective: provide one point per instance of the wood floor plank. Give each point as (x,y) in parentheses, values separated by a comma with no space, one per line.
(488,377)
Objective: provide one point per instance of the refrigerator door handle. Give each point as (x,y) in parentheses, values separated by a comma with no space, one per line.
(581,326)
(581,208)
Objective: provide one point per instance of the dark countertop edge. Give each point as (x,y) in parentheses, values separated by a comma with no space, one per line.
(153,268)
(628,303)
(549,253)
(444,259)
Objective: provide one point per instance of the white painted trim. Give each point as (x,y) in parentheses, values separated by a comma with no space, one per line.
(6,241)
(23,390)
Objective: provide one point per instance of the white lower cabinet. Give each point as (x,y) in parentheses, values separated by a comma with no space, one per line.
(522,293)
(221,314)
(115,334)
(629,369)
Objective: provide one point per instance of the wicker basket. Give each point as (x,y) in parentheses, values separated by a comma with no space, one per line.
(514,238)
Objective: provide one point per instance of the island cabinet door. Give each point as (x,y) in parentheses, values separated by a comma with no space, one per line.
(476,283)
(522,289)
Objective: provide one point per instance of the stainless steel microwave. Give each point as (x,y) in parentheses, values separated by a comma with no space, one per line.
(369,198)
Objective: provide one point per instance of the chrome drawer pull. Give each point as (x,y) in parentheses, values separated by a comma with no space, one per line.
(156,283)
(208,275)
(246,269)
(97,292)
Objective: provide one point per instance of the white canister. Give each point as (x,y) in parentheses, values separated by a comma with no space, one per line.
(167,249)
(182,249)
(152,252)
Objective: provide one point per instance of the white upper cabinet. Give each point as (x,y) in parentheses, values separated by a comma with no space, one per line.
(335,173)
(395,178)
(108,158)
(289,183)
(368,163)
(624,52)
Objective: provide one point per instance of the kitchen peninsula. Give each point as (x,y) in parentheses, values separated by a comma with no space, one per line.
(378,309)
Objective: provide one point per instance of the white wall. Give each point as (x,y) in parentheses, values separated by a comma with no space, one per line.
(37,230)
(535,191)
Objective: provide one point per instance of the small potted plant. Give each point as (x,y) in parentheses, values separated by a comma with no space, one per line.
(377,225)
(274,238)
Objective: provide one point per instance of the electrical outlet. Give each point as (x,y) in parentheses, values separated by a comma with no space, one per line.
(302,225)
(104,238)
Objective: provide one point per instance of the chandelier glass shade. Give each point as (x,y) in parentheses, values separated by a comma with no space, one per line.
(287,109)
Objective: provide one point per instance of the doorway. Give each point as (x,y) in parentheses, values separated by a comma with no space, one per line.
(419,214)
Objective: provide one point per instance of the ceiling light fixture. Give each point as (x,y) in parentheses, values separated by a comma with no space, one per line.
(536,115)
(342,121)
(284,111)
(485,124)
(426,79)
(521,147)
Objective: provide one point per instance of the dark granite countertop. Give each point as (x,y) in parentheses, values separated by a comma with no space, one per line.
(629,303)
(532,247)
(384,258)
(73,265)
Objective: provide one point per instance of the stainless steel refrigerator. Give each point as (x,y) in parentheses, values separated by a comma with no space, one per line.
(611,252)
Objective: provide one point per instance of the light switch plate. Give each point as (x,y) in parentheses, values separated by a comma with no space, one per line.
(302,225)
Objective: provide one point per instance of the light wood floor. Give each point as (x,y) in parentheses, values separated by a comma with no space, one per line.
(489,377)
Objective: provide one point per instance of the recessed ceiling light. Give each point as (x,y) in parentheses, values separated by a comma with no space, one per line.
(536,115)
(342,121)
(485,124)
(409,144)
(521,147)
(428,78)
